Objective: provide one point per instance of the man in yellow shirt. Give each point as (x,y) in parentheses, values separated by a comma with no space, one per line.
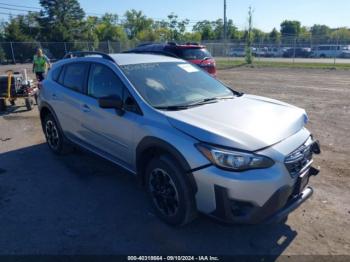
(40,64)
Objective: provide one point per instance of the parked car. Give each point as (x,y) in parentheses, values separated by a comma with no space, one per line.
(237,52)
(329,51)
(275,51)
(345,52)
(241,51)
(192,52)
(298,52)
(195,144)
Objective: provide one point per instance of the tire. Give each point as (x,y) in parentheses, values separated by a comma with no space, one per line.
(283,220)
(54,137)
(2,105)
(29,103)
(169,191)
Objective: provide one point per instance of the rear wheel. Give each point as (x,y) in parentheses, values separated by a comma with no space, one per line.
(54,136)
(169,191)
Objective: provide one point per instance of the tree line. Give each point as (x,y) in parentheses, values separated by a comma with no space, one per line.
(66,21)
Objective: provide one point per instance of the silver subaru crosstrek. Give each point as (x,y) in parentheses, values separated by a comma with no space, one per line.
(195,144)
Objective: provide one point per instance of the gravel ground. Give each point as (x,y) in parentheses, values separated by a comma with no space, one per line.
(80,204)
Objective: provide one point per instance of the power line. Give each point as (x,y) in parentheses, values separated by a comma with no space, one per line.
(2,13)
(35,9)
(24,6)
(15,9)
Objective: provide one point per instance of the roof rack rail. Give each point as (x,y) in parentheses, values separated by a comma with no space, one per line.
(87,53)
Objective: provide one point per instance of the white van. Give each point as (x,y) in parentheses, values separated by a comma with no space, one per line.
(326,51)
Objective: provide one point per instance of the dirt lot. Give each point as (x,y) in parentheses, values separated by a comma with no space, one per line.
(82,204)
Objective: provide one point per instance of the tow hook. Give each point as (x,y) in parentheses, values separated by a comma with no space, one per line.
(313,171)
(316,148)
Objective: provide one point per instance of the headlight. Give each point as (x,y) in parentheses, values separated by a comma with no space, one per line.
(234,160)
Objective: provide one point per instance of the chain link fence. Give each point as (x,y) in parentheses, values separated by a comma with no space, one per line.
(23,52)
(286,47)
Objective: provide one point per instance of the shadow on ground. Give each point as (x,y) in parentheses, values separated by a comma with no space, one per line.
(81,204)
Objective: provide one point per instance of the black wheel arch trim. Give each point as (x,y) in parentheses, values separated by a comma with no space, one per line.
(43,106)
(150,142)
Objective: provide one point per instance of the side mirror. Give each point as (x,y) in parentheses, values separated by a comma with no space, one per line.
(111,102)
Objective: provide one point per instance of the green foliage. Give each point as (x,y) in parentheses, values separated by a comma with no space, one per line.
(177,27)
(290,28)
(61,20)
(275,36)
(192,37)
(319,30)
(135,22)
(65,21)
(16,30)
(341,35)
(148,35)
(258,35)
(205,29)
(214,30)
(108,29)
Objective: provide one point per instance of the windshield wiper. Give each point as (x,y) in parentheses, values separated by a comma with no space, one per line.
(172,108)
(210,100)
(196,103)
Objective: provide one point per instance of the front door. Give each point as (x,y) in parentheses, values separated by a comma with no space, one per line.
(105,129)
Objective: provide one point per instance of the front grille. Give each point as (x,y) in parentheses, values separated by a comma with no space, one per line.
(299,159)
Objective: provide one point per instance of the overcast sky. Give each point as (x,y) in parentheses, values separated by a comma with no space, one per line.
(267,13)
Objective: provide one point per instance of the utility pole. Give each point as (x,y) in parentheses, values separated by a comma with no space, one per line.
(225,21)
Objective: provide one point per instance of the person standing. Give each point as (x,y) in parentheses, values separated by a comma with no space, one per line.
(40,64)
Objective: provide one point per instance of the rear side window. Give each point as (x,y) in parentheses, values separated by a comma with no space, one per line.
(194,53)
(104,82)
(56,73)
(74,76)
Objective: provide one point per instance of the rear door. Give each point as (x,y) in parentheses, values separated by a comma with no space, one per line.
(106,131)
(68,96)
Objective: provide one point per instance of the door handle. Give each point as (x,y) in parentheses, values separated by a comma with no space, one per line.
(54,97)
(86,108)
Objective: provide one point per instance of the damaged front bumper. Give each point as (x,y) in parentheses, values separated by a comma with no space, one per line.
(257,196)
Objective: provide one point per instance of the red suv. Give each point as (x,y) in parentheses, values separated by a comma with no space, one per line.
(193,52)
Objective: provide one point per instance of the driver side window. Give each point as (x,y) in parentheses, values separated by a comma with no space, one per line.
(104,82)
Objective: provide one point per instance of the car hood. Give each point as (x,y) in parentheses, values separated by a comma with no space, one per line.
(247,122)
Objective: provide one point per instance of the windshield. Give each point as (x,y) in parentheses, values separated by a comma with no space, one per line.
(194,53)
(174,83)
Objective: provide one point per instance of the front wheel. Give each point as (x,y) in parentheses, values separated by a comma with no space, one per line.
(169,191)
